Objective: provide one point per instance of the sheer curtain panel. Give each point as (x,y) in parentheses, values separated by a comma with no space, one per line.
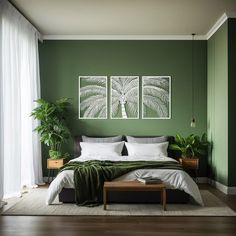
(1,115)
(20,86)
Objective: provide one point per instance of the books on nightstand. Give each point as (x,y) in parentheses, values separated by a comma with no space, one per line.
(149,180)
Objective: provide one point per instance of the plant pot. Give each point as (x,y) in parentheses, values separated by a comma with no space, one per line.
(189,163)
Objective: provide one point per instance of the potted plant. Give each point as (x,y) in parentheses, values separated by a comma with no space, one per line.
(53,130)
(190,149)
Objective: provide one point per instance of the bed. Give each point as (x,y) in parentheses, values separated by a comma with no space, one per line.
(180,186)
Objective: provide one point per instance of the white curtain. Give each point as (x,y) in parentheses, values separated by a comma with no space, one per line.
(20,162)
(1,116)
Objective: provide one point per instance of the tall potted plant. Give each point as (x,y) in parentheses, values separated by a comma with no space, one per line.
(53,130)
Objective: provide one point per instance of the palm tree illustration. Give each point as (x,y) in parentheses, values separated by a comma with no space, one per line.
(125,96)
(156,95)
(93,97)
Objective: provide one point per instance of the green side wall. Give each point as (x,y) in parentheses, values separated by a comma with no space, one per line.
(218,103)
(232,98)
(221,103)
(61,62)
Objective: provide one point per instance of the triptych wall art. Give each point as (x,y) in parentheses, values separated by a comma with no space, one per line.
(125,95)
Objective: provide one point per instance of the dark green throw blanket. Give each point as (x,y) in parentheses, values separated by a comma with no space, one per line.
(89,176)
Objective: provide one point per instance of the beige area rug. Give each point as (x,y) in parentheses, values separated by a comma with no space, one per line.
(33,203)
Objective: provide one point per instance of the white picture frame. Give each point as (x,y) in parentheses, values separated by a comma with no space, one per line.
(92,101)
(156,97)
(124,106)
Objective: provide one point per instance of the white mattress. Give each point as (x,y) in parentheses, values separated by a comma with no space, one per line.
(173,179)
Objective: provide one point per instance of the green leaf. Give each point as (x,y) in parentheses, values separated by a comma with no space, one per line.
(175,147)
(179,139)
(41,101)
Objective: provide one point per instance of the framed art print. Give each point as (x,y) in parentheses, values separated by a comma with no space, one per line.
(124,97)
(92,97)
(156,97)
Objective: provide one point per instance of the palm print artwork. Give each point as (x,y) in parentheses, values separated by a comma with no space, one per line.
(124,97)
(92,97)
(156,97)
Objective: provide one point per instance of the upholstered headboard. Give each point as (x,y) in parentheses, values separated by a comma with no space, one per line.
(78,139)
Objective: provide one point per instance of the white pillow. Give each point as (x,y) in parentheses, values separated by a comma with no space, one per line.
(102,139)
(159,139)
(101,149)
(147,149)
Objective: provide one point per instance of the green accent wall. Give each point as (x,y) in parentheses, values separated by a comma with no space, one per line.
(221,103)
(61,62)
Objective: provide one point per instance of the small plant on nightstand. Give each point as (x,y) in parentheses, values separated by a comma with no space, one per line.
(192,146)
(190,149)
(53,130)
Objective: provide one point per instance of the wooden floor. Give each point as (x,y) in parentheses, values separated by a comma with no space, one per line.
(117,225)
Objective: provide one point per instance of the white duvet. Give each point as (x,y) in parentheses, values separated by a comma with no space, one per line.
(173,179)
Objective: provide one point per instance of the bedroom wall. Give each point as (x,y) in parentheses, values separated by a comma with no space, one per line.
(218,103)
(61,62)
(221,103)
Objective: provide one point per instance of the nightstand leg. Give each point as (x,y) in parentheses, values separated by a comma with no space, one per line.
(48,175)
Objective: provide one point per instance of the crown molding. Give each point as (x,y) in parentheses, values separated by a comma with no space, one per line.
(122,37)
(219,23)
(212,30)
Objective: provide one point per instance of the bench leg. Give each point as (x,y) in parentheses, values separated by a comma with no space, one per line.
(104,199)
(164,199)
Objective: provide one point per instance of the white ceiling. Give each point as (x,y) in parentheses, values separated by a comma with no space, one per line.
(124,17)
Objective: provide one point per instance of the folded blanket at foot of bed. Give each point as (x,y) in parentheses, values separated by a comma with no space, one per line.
(89,176)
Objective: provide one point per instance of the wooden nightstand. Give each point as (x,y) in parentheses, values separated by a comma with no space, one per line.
(191,166)
(54,164)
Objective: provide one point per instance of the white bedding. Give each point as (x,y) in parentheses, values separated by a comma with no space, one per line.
(173,179)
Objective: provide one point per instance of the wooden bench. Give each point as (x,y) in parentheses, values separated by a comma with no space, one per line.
(133,186)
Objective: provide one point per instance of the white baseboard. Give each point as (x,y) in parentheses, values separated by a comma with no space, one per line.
(223,188)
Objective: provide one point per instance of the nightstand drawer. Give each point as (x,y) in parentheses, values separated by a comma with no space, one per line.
(55,164)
